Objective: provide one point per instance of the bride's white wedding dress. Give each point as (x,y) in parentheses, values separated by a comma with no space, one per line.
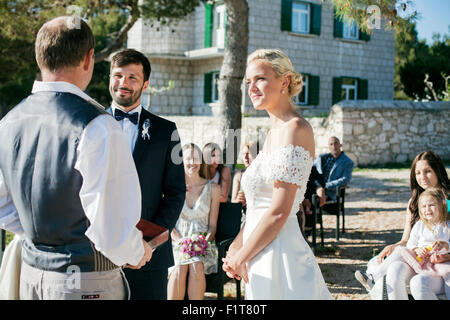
(286,268)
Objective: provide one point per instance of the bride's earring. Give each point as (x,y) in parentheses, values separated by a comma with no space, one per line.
(283,92)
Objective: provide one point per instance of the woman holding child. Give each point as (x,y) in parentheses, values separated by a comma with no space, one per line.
(427,171)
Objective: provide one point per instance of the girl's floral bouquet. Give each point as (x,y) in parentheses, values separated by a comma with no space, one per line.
(194,246)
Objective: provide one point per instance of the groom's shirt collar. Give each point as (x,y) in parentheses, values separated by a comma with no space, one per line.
(62,86)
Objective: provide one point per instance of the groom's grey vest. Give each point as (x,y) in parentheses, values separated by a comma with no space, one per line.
(38,151)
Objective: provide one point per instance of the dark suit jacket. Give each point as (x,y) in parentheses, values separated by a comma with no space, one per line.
(162,181)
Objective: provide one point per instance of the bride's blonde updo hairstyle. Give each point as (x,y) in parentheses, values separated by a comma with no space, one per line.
(282,66)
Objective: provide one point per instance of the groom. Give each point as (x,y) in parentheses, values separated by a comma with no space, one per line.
(151,140)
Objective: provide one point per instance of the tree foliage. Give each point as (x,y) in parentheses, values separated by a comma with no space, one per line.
(417,63)
(19,23)
(110,21)
(393,14)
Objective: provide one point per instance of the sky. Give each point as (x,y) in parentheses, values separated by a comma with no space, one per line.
(435,18)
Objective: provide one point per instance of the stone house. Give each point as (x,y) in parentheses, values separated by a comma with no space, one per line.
(337,60)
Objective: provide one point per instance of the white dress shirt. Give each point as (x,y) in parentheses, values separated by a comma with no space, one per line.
(129,128)
(110,193)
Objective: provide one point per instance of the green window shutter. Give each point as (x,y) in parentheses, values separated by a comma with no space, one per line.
(286,15)
(337,87)
(316,18)
(207,87)
(363,89)
(209,11)
(364,35)
(314,89)
(338,27)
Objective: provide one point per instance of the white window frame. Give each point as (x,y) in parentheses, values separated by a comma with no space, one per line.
(305,90)
(299,13)
(348,87)
(219,32)
(348,28)
(215,86)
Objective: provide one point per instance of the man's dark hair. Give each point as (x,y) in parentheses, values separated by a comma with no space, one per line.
(63,42)
(131,56)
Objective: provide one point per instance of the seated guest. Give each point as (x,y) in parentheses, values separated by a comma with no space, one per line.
(305,206)
(336,169)
(198,216)
(249,153)
(214,169)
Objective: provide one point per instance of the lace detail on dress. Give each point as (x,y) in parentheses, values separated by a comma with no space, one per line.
(291,164)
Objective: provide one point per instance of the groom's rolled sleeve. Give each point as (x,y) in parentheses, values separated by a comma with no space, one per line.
(110,193)
(9,217)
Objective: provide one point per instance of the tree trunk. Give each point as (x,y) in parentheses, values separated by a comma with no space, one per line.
(230,80)
(119,41)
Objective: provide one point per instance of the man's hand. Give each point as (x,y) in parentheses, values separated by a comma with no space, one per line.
(306,206)
(148,252)
(323,198)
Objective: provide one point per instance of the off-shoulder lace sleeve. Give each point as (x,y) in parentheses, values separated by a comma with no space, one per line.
(291,164)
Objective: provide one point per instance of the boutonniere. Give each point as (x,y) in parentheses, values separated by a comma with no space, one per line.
(145,126)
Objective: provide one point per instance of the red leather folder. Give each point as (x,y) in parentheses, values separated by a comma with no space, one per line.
(154,234)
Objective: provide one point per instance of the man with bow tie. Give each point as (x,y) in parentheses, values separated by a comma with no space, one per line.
(152,140)
(64,163)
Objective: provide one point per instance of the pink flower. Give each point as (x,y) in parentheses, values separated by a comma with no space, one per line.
(194,246)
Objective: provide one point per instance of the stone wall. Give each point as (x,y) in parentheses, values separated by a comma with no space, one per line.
(371,131)
(377,131)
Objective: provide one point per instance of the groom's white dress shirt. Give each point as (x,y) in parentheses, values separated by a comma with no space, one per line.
(129,129)
(110,193)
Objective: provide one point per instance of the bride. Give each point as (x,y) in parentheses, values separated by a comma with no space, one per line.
(270,253)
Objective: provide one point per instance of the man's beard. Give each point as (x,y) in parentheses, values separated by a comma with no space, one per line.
(128,100)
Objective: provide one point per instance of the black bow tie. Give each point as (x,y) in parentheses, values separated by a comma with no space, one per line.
(120,115)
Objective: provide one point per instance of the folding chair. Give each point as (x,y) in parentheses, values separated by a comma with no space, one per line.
(331,208)
(228,227)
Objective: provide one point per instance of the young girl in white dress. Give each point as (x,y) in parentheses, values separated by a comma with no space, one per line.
(428,240)
(270,253)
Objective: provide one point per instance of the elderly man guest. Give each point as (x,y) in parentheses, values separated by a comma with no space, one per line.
(336,170)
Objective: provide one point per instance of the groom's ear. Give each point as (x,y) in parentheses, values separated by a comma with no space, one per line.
(88,59)
(145,86)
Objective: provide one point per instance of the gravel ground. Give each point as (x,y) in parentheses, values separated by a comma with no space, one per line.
(375,209)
